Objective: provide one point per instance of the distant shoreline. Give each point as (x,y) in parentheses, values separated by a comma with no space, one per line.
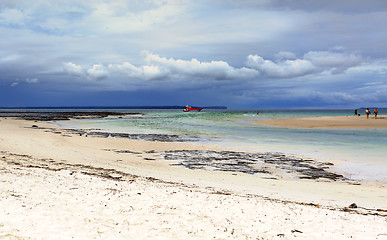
(117,107)
(59,116)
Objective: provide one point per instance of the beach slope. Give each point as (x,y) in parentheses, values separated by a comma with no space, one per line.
(60,184)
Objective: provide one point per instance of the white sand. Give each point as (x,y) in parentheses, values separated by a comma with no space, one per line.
(42,204)
(39,203)
(329,122)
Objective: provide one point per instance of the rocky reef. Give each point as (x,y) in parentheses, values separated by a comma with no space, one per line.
(274,165)
(59,116)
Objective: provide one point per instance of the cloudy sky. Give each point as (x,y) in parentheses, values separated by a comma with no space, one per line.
(241,54)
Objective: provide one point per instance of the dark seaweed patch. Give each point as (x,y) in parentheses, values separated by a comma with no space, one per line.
(252,163)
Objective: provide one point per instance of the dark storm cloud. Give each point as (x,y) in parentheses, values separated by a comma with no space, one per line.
(315,5)
(325,52)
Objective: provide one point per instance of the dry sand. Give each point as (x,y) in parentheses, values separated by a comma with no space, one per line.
(57,186)
(329,122)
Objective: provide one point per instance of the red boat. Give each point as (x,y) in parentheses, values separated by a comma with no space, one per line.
(189,108)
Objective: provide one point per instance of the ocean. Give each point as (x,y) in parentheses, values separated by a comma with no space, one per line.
(360,154)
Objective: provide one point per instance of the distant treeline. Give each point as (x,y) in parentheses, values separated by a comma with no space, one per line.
(118,107)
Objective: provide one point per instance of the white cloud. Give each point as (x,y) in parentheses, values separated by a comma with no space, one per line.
(16,82)
(73,69)
(377,67)
(285,55)
(339,62)
(10,58)
(97,72)
(160,68)
(121,16)
(32,80)
(283,69)
(54,24)
(218,70)
(90,17)
(313,62)
(146,72)
(10,16)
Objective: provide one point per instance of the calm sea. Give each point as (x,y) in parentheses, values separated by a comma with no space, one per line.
(359,154)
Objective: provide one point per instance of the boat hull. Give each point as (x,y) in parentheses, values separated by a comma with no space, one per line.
(188,109)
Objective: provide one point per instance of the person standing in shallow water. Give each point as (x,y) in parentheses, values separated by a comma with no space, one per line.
(376,112)
(368,112)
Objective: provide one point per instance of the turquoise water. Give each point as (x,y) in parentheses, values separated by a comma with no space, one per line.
(359,154)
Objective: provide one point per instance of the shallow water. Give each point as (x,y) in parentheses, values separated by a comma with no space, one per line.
(360,154)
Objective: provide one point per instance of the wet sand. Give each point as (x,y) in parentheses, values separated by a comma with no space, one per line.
(57,183)
(329,122)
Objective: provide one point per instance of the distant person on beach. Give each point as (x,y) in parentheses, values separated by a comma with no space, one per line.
(368,112)
(376,112)
(355,112)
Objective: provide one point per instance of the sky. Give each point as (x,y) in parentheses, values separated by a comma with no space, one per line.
(246,54)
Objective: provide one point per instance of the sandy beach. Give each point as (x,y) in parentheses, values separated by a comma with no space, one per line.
(329,122)
(62,184)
